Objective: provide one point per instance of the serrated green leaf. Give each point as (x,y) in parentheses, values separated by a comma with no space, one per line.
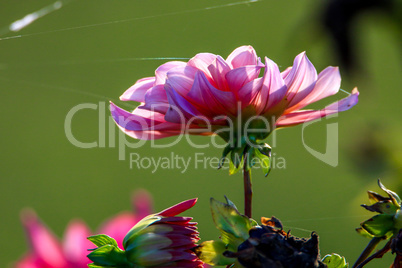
(211,252)
(102,239)
(108,255)
(379,225)
(335,261)
(234,227)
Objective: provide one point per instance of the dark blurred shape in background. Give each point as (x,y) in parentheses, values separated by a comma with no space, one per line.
(339,18)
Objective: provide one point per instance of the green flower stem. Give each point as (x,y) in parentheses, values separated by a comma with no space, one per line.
(378,254)
(248,191)
(361,261)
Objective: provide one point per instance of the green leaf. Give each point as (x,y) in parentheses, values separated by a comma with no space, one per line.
(383,207)
(211,252)
(226,151)
(394,197)
(101,240)
(374,197)
(92,265)
(108,255)
(379,225)
(135,231)
(263,153)
(364,233)
(235,167)
(335,261)
(234,227)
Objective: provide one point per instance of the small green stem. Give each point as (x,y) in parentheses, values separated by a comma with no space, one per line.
(361,261)
(248,191)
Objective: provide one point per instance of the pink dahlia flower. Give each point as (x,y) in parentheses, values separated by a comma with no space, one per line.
(210,95)
(48,252)
(158,240)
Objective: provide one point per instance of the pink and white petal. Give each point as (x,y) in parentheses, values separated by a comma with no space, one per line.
(138,120)
(156,100)
(218,70)
(273,85)
(151,126)
(76,244)
(238,77)
(179,108)
(201,61)
(142,203)
(209,100)
(300,80)
(302,116)
(178,208)
(137,91)
(161,71)
(328,83)
(45,246)
(242,56)
(249,91)
(181,79)
(286,72)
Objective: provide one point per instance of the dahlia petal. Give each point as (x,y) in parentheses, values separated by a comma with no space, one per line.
(142,203)
(45,245)
(201,62)
(138,120)
(218,69)
(182,255)
(286,72)
(242,56)
(181,240)
(300,79)
(181,79)
(299,117)
(179,108)
(209,100)
(273,88)
(249,91)
(328,83)
(75,244)
(28,261)
(137,91)
(156,99)
(238,77)
(178,208)
(161,71)
(144,128)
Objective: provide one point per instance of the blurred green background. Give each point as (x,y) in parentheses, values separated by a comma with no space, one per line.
(87,52)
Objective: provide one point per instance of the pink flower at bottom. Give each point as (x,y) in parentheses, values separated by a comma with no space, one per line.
(47,251)
(158,240)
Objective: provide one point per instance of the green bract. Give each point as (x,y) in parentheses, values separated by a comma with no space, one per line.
(108,254)
(335,261)
(388,222)
(256,153)
(385,225)
(234,229)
